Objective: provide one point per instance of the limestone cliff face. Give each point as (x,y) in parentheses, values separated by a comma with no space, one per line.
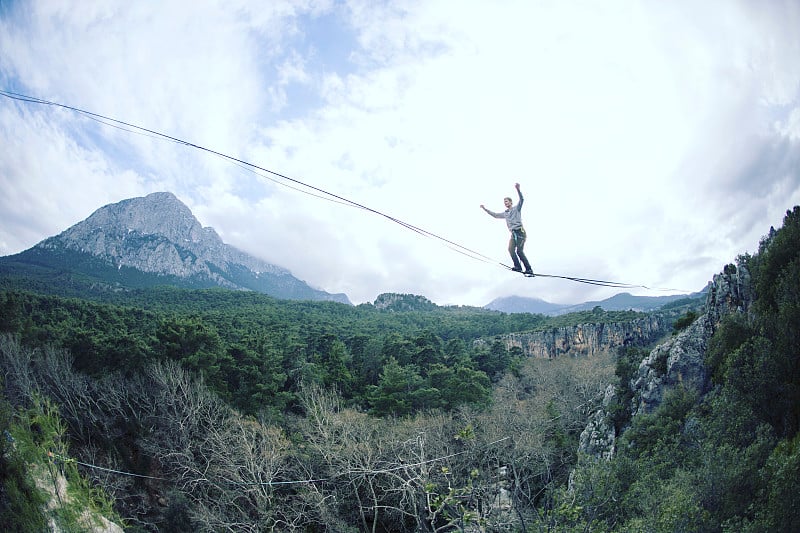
(678,361)
(587,339)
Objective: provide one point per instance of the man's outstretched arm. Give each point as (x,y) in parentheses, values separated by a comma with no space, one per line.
(492,213)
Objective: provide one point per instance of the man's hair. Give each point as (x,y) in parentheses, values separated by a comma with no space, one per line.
(508,198)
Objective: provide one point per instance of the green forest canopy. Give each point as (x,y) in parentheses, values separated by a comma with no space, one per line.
(255,350)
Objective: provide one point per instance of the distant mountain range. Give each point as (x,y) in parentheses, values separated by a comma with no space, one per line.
(145,242)
(619,302)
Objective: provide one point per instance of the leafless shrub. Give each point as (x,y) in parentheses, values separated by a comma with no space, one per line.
(15,363)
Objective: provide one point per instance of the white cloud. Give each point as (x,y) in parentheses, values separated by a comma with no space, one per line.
(42,195)
(654,141)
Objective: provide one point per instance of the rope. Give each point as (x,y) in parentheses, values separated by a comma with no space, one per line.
(57,457)
(63,459)
(323,194)
(599,282)
(604,283)
(112,121)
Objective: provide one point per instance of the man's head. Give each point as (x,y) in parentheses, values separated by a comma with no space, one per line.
(507,202)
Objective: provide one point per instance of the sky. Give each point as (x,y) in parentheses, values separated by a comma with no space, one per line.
(654,142)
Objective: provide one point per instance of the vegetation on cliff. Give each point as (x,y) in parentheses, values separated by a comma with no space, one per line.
(728,461)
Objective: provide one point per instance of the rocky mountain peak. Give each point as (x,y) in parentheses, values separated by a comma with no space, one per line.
(158,234)
(157,214)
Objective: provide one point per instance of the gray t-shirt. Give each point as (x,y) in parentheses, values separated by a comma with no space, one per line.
(513,215)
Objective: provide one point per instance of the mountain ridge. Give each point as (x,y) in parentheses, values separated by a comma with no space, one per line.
(623,301)
(154,240)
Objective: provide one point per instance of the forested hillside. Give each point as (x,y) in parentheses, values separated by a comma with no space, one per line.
(255,351)
(254,377)
(216,410)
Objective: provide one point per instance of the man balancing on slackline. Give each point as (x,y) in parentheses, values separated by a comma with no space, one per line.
(513,216)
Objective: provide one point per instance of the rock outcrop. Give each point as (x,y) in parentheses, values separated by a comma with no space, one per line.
(680,360)
(677,362)
(600,435)
(390,301)
(729,292)
(59,501)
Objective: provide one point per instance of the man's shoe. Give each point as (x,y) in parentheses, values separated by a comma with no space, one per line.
(516,269)
(529,273)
